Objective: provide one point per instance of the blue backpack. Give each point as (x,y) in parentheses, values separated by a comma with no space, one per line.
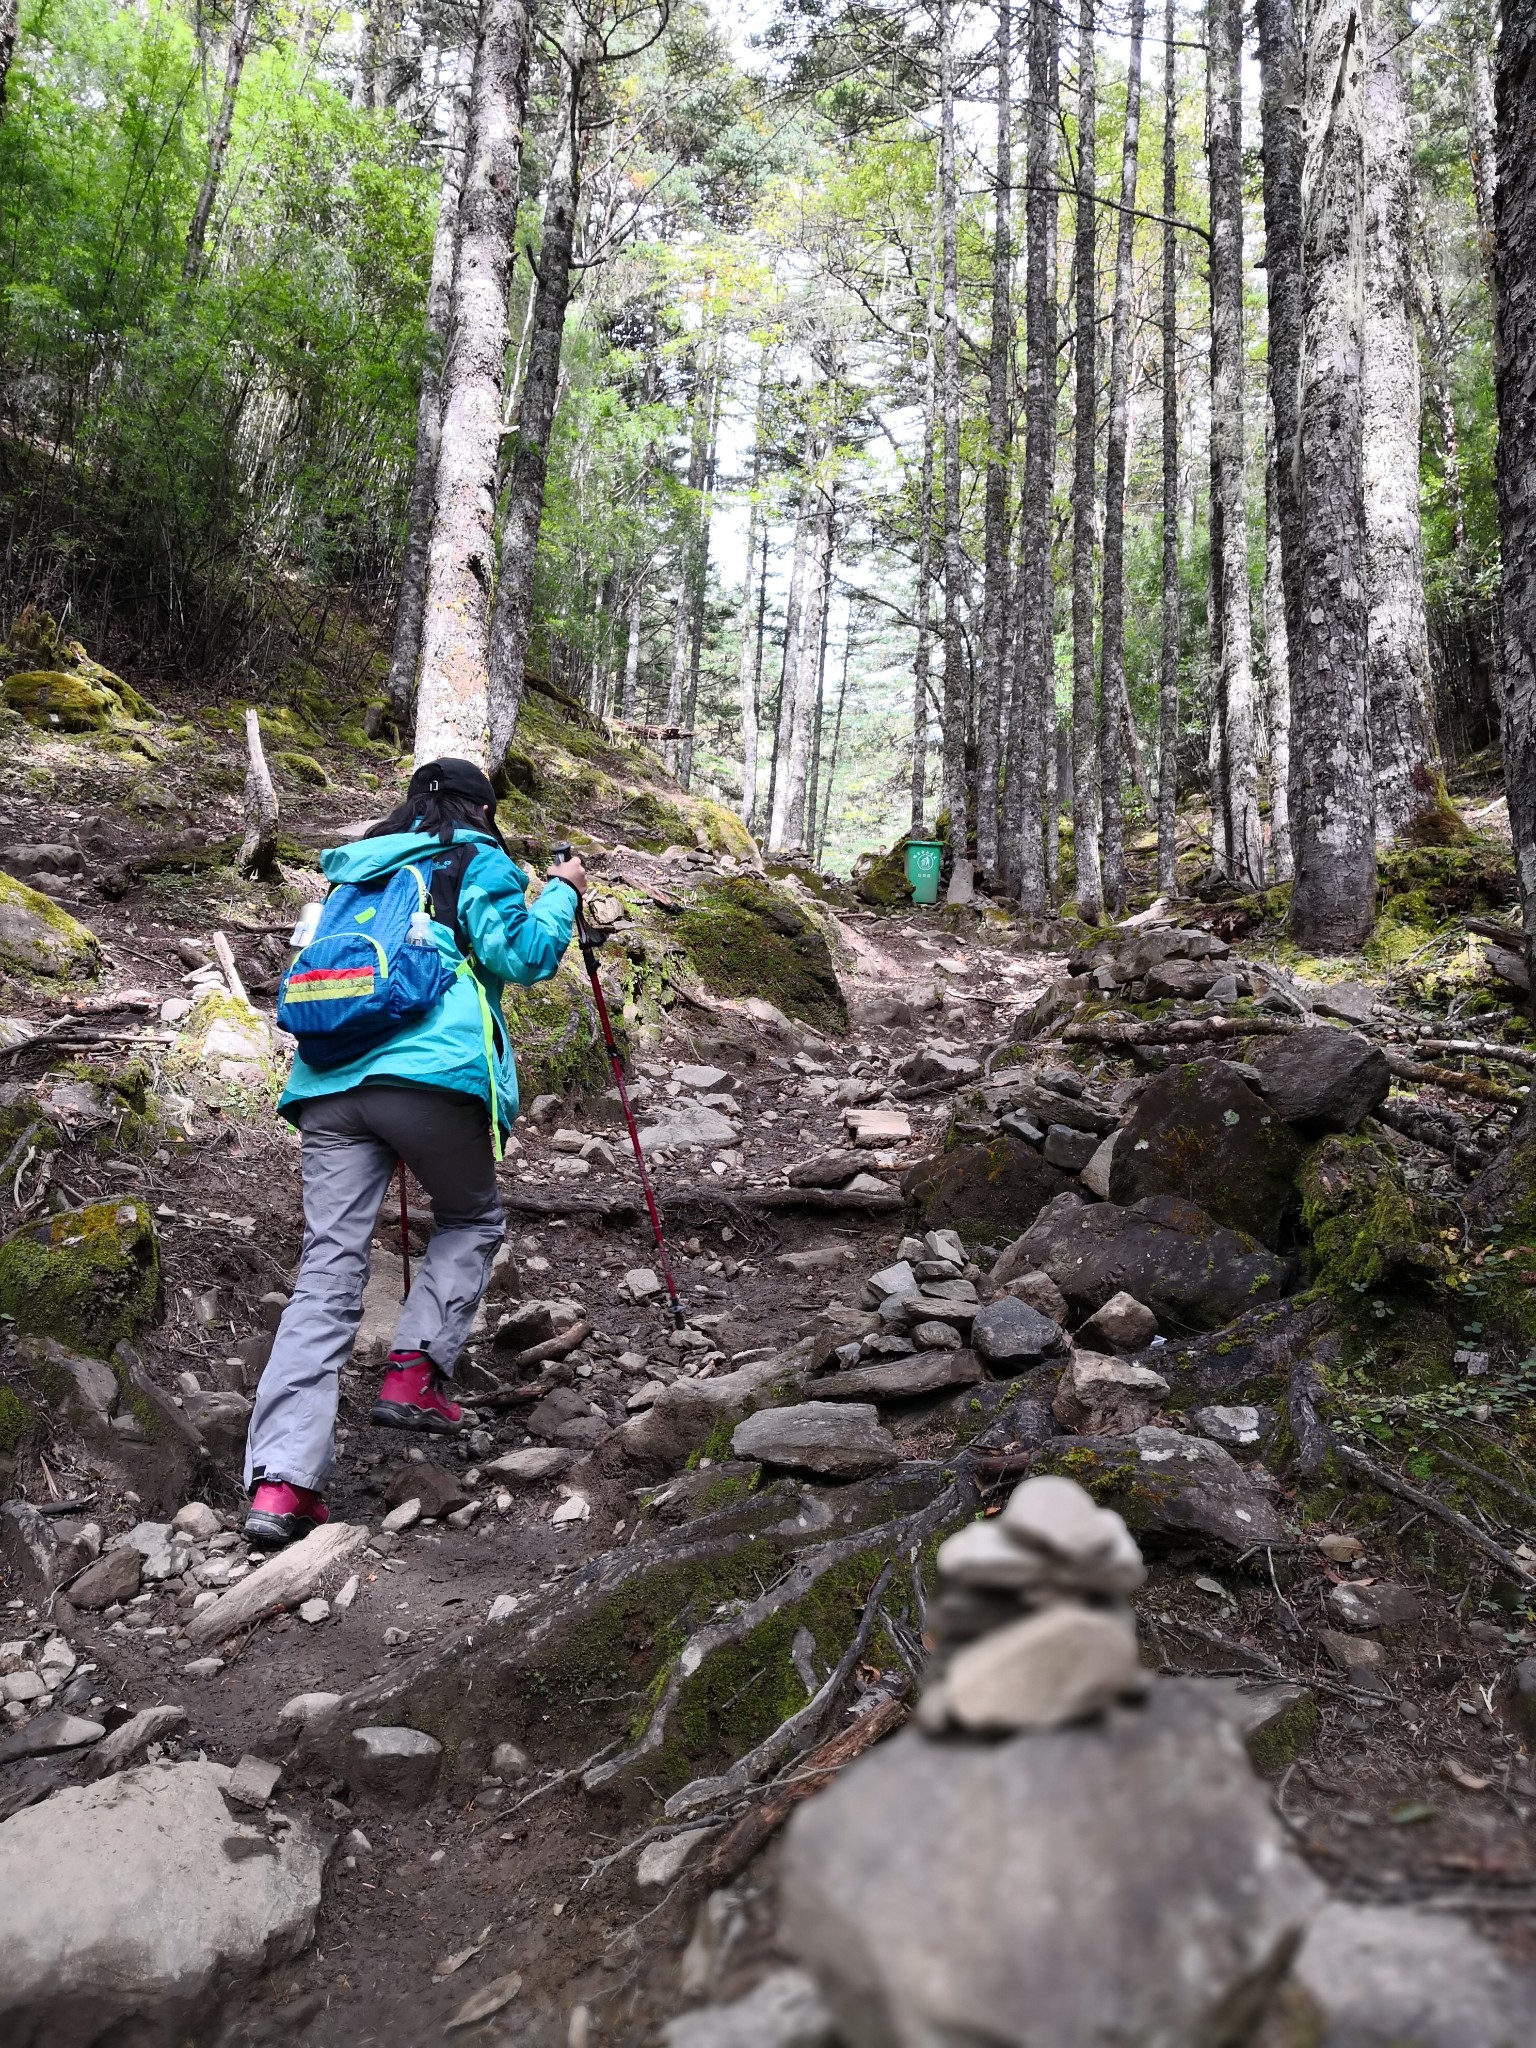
(363,977)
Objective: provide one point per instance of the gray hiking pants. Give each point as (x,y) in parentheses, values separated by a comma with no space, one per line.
(352,1144)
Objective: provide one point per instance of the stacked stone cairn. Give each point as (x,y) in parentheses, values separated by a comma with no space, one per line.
(1032,1627)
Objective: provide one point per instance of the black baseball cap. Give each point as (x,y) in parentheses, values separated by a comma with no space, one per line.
(452,777)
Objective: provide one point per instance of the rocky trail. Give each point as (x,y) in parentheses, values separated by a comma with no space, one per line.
(507,1749)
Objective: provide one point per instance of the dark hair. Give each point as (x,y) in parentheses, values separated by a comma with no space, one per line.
(438,812)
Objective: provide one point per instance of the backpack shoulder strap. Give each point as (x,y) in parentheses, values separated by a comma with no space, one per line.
(448,871)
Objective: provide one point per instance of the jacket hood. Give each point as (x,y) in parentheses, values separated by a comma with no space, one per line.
(370,860)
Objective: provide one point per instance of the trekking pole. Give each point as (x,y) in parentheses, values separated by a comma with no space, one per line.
(405,1235)
(589,943)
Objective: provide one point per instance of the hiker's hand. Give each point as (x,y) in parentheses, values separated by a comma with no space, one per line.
(571,871)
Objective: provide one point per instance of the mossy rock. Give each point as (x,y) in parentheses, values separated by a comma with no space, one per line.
(302,768)
(1197,1130)
(88,1277)
(18,1419)
(555,1038)
(1364,1225)
(745,936)
(37,937)
(989,1192)
(880,879)
(55,684)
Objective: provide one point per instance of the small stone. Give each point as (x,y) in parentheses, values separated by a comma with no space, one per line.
(1233,1426)
(641,1284)
(1351,1653)
(1095,1175)
(462,1517)
(542,1108)
(396,1638)
(568,1141)
(1122,1324)
(945,1244)
(1042,1672)
(127,1743)
(820,1255)
(197,1520)
(1381,1606)
(347,1594)
(1057,1517)
(401,1518)
(503,1607)
(394,1765)
(1339,1548)
(23,1687)
(1068,1148)
(305,1707)
(899,1281)
(576,1509)
(1010,1333)
(508,1761)
(937,1337)
(253,1781)
(313,1611)
(1099,1396)
(203,1667)
(1041,1292)
(871,1129)
(659,1862)
(784,2010)
(543,1461)
(437,1490)
(50,1732)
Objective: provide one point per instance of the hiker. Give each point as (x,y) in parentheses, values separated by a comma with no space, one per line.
(402,1055)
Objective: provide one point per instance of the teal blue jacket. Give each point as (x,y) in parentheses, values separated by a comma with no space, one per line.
(510,941)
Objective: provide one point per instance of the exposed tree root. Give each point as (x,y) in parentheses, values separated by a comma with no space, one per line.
(1454,1083)
(1390,1482)
(1177,1030)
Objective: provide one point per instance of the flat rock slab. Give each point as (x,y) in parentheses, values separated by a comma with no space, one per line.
(1387,1977)
(1009,1333)
(1171,1485)
(526,1466)
(131,1906)
(949,1891)
(693,1126)
(901,1379)
(1169,1254)
(48,1733)
(784,2011)
(831,1440)
(282,1582)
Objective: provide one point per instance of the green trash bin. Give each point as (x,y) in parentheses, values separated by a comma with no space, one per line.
(925,859)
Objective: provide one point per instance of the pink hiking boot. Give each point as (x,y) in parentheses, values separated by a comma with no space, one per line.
(410,1398)
(281,1514)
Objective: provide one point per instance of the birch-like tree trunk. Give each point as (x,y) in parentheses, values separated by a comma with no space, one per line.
(1112,685)
(956,693)
(628,700)
(923,654)
(700,577)
(747,670)
(258,848)
(1229,493)
(1515,379)
(1168,680)
(1404,751)
(400,689)
(242,28)
(1278,665)
(1333,897)
(820,550)
(1482,144)
(1031,724)
(1085,752)
(1280,60)
(701,407)
(453,713)
(512,612)
(994,601)
(789,668)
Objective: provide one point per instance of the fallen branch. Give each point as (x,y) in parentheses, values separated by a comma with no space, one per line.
(224,954)
(1501,934)
(1177,1030)
(1482,1472)
(756,1762)
(1436,1129)
(552,1347)
(815,1772)
(1452,1082)
(630,1202)
(1389,1482)
(1481,1049)
(515,1397)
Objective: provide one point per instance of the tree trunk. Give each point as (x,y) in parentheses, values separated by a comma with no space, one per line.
(1437,356)
(1515,377)
(922,657)
(1483,148)
(747,671)
(1280,58)
(994,602)
(632,654)
(1229,495)
(789,667)
(258,849)
(700,582)
(10,15)
(1404,752)
(1085,752)
(808,669)
(400,689)
(820,849)
(453,693)
(512,613)
(956,694)
(1333,898)
(1031,725)
(242,27)
(701,411)
(1168,685)
(1112,685)
(1278,666)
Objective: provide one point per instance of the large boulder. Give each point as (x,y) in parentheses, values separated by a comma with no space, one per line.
(1322,1079)
(1012,1336)
(994,1190)
(1121,1882)
(36,937)
(1173,1487)
(132,1907)
(88,1276)
(1167,1253)
(1366,1225)
(748,935)
(1198,1130)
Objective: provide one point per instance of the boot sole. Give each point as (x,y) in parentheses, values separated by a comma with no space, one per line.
(276,1532)
(396,1415)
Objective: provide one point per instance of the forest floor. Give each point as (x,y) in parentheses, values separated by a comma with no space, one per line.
(1417,1792)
